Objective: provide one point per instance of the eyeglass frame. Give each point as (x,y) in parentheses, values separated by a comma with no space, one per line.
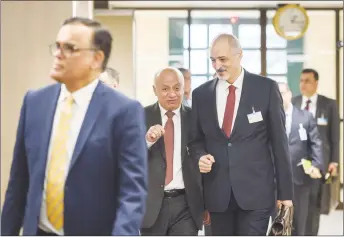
(73,49)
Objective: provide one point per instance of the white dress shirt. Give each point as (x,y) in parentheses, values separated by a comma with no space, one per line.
(82,98)
(177,181)
(312,106)
(288,119)
(221,97)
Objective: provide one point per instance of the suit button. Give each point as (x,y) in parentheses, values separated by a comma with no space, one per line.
(229,144)
(162,186)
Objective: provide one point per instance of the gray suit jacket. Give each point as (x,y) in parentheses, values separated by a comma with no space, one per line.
(310,148)
(157,169)
(329,133)
(330,139)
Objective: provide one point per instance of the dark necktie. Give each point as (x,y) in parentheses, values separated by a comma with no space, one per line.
(229,112)
(307,104)
(169,146)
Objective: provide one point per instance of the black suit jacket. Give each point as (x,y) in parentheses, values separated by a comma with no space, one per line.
(157,170)
(243,162)
(310,149)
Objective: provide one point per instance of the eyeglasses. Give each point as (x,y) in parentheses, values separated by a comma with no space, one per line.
(66,49)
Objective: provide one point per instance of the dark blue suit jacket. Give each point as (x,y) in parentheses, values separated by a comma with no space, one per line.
(255,154)
(106,187)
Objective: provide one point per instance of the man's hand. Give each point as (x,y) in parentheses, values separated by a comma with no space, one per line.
(206,218)
(154,133)
(332,168)
(205,163)
(314,172)
(287,203)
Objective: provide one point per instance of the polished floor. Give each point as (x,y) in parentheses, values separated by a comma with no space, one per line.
(329,224)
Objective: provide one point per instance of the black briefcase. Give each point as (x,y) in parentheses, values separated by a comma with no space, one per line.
(283,223)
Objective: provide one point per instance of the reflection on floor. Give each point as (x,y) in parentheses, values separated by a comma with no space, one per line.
(329,224)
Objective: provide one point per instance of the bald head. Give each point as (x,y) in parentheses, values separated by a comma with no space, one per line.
(169,88)
(166,72)
(229,39)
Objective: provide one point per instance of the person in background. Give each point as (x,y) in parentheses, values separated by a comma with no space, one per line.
(110,77)
(325,111)
(175,201)
(304,143)
(80,161)
(239,142)
(187,86)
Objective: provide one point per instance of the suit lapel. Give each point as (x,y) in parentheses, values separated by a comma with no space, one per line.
(95,106)
(294,125)
(213,106)
(319,107)
(156,119)
(47,127)
(298,102)
(240,116)
(184,131)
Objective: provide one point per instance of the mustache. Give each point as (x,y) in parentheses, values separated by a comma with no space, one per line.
(220,70)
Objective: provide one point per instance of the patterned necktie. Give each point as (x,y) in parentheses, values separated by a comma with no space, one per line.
(57,167)
(169,146)
(307,104)
(229,112)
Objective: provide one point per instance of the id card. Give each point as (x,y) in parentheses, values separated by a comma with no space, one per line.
(302,133)
(255,116)
(322,121)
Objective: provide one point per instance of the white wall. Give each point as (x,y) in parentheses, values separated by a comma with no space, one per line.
(121,59)
(26,32)
(320,50)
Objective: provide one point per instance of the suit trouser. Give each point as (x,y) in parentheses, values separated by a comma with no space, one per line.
(236,221)
(174,219)
(301,205)
(207,230)
(313,218)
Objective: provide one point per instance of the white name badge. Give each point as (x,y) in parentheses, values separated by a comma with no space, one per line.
(255,117)
(322,121)
(302,133)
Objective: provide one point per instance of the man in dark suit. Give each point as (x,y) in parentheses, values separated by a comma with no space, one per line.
(304,144)
(325,111)
(80,160)
(175,202)
(240,144)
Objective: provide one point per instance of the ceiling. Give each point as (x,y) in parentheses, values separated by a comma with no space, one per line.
(219,4)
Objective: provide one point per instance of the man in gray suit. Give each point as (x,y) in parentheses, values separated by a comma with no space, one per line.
(304,143)
(325,112)
(175,201)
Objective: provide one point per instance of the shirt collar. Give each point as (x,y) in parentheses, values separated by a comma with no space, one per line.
(313,98)
(80,96)
(237,83)
(163,111)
